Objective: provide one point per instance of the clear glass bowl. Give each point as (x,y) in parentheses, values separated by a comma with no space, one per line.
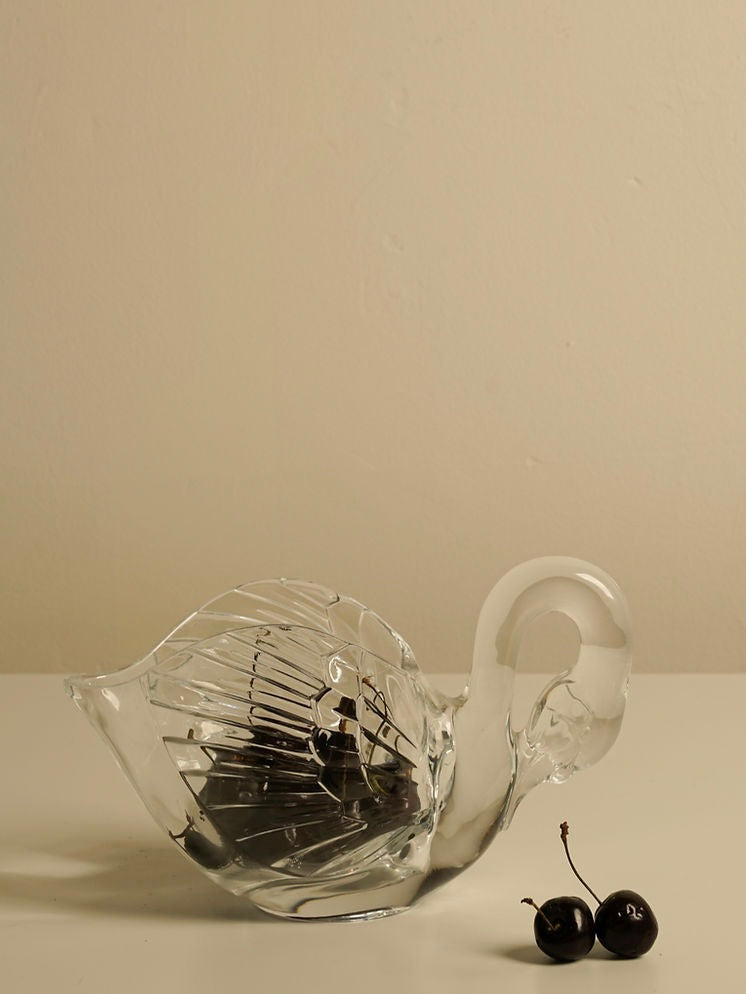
(286,741)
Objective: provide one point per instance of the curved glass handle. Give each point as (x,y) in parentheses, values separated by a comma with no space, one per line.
(577,716)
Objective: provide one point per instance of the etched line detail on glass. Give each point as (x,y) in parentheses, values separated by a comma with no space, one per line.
(294,755)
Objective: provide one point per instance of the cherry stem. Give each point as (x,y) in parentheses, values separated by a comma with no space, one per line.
(537,909)
(564,832)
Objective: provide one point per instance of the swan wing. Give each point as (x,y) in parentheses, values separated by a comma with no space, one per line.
(305,750)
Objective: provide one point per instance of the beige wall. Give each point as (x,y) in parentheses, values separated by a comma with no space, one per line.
(391,295)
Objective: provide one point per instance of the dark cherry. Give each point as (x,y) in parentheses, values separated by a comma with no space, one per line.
(200,848)
(625,923)
(563,928)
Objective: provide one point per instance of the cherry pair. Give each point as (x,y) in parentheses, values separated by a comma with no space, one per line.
(565,929)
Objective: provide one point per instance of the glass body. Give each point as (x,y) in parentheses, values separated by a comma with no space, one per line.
(286,741)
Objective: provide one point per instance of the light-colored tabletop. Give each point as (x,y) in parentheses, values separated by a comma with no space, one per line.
(94,898)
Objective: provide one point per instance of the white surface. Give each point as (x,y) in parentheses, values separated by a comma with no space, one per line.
(93,898)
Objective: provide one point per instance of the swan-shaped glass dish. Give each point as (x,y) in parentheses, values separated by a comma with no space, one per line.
(286,741)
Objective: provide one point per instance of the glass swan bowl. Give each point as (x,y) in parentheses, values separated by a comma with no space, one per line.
(286,741)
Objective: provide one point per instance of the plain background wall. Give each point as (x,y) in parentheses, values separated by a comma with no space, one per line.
(388,295)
